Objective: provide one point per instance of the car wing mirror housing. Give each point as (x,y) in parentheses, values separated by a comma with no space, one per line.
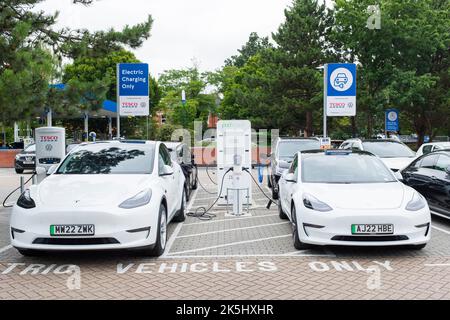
(289,177)
(166,171)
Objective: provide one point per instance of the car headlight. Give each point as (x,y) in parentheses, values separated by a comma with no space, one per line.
(313,203)
(139,200)
(17,156)
(25,201)
(417,202)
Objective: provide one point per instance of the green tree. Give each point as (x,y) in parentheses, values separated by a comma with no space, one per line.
(254,45)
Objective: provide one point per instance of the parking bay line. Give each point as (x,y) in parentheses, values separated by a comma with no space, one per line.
(261,255)
(230,219)
(6,248)
(440,229)
(229,244)
(233,229)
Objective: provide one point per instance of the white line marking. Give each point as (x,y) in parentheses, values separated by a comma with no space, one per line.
(281,255)
(437,264)
(230,244)
(233,229)
(230,219)
(440,215)
(440,229)
(179,226)
(5,248)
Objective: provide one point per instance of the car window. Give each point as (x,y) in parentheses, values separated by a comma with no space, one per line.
(427,149)
(109,159)
(388,149)
(428,162)
(165,155)
(346,145)
(443,162)
(287,149)
(355,145)
(294,165)
(31,148)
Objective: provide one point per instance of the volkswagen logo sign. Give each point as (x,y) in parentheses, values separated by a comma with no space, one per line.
(143,104)
(48,147)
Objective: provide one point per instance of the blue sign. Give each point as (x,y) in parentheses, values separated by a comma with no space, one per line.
(392,120)
(340,89)
(133,89)
(341,79)
(133,79)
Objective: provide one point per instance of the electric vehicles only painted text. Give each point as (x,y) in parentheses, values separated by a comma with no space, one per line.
(351,198)
(104,195)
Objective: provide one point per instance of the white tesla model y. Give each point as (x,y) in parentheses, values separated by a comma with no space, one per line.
(104,195)
(351,198)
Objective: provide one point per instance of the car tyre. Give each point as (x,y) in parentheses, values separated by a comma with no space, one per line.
(19,171)
(298,244)
(161,237)
(281,212)
(269,184)
(181,214)
(274,191)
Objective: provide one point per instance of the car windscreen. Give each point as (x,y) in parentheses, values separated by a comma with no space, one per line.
(30,148)
(349,168)
(388,149)
(109,159)
(288,149)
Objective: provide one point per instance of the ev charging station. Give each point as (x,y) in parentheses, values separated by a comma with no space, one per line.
(50,146)
(234,155)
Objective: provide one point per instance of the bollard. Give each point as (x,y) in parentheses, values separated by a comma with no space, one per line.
(34,179)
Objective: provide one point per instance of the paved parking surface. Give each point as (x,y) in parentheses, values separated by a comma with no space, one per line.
(228,258)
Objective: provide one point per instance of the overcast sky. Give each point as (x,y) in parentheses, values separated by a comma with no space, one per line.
(208,30)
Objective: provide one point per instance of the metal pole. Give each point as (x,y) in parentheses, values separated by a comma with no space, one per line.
(118,103)
(325,71)
(109,128)
(86,125)
(16,132)
(22,184)
(49,117)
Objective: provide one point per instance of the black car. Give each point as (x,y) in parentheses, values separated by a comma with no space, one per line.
(430,175)
(26,159)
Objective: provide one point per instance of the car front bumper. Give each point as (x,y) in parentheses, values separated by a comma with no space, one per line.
(115,228)
(334,227)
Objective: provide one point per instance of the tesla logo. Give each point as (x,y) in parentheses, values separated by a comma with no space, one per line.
(48,147)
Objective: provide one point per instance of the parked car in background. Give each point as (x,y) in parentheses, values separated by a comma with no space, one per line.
(26,159)
(282,155)
(395,154)
(181,154)
(432,146)
(430,175)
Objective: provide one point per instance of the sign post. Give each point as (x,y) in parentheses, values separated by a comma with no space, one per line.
(132,91)
(339,91)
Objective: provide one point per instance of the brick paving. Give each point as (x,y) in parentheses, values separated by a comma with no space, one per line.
(233,258)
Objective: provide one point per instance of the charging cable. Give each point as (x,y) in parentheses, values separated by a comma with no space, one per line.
(257,184)
(201,212)
(12,192)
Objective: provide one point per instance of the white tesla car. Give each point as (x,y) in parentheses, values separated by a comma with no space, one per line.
(351,198)
(104,195)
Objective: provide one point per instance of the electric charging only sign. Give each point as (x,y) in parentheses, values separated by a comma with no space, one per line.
(133,89)
(340,89)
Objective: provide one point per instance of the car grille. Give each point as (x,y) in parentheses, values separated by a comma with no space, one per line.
(75,241)
(369,238)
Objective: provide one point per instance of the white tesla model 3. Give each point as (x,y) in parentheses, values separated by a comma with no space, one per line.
(104,195)
(350,198)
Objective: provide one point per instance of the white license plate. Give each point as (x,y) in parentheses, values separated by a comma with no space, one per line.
(72,230)
(372,228)
(28,162)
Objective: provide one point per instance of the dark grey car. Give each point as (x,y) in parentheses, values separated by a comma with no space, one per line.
(26,159)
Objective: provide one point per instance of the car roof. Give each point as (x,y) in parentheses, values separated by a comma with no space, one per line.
(317,151)
(171,144)
(117,142)
(297,138)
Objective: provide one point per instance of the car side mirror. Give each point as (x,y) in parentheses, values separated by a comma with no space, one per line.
(166,171)
(398,175)
(290,177)
(52,169)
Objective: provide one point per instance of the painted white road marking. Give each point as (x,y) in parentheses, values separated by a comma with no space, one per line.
(440,229)
(5,248)
(233,229)
(437,264)
(230,244)
(179,226)
(230,219)
(262,255)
